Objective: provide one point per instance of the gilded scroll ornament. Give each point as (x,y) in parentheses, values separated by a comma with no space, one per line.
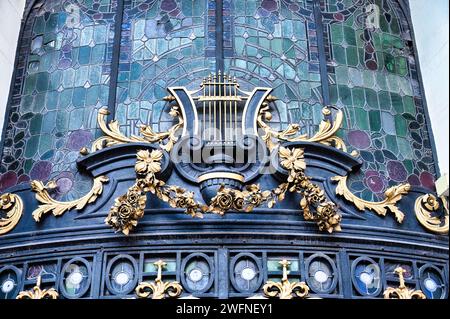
(424,207)
(285,289)
(38,293)
(12,205)
(159,289)
(57,208)
(393,195)
(325,135)
(113,136)
(402,292)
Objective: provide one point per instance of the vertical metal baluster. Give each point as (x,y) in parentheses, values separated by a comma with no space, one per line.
(225,78)
(204,110)
(215,117)
(235,108)
(220,107)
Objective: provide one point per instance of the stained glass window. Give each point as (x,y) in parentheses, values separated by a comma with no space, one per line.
(163,44)
(373,78)
(274,44)
(66,66)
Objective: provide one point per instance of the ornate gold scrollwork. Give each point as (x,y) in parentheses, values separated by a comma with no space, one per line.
(58,208)
(38,293)
(393,195)
(13,206)
(424,206)
(402,292)
(113,136)
(285,289)
(326,134)
(159,289)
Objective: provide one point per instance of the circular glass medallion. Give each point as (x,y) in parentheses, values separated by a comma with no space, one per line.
(195,275)
(75,278)
(122,278)
(430,284)
(248,273)
(366,276)
(8,285)
(320,276)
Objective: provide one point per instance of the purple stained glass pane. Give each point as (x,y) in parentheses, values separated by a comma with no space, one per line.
(359,139)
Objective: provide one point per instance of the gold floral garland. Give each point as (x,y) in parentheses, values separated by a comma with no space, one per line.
(129,208)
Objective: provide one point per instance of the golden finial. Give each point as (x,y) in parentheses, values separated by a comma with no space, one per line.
(159,289)
(285,289)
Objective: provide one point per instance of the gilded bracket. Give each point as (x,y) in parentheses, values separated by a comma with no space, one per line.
(285,289)
(325,135)
(159,289)
(13,206)
(113,136)
(393,195)
(38,293)
(58,208)
(424,206)
(402,292)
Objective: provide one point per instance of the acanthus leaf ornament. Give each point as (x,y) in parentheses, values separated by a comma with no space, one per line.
(393,195)
(285,289)
(57,208)
(113,135)
(12,205)
(159,289)
(37,293)
(424,206)
(325,135)
(402,292)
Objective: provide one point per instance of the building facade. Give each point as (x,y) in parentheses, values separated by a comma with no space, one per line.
(222,145)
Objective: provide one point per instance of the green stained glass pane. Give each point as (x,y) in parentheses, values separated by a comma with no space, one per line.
(339,54)
(385,100)
(349,35)
(352,56)
(409,105)
(371,98)
(375,121)
(32,146)
(358,97)
(401,126)
(391,143)
(361,118)
(345,95)
(397,102)
(337,36)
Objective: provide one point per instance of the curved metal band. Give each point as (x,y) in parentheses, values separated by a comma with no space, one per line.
(229,175)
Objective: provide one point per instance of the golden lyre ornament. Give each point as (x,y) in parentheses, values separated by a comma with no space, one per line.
(427,204)
(159,289)
(38,293)
(285,289)
(12,205)
(402,292)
